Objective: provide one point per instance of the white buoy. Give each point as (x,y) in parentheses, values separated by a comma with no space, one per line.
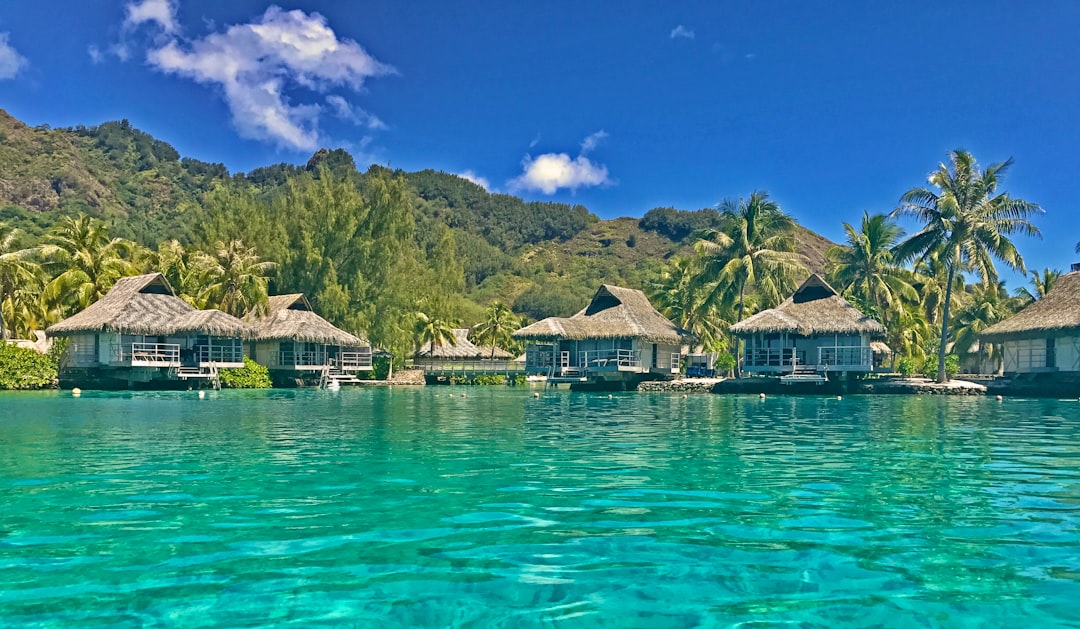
(609,396)
(450,395)
(462,395)
(76,392)
(202,394)
(999,398)
(839,397)
(536,394)
(761,395)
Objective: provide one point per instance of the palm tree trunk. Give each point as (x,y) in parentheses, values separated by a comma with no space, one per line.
(738,354)
(941,376)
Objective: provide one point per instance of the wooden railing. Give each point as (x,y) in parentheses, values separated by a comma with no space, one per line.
(840,356)
(610,358)
(442,367)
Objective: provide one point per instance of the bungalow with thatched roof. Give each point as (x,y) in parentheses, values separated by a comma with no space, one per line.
(618,337)
(141,332)
(462,349)
(299,346)
(1045,336)
(813,332)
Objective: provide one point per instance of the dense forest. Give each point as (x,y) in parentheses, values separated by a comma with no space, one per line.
(403,257)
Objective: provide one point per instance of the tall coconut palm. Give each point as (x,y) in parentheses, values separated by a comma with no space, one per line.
(238,279)
(866,268)
(19,275)
(84,262)
(188,271)
(968,222)
(496,328)
(753,249)
(434,331)
(1040,285)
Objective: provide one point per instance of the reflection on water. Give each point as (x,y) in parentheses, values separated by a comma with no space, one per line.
(412,508)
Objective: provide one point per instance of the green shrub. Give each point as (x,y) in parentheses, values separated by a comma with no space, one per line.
(907,366)
(952,367)
(25,369)
(251,376)
(485,379)
(725,362)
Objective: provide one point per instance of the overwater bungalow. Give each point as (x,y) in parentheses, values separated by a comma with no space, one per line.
(463,358)
(813,334)
(618,339)
(300,348)
(140,334)
(1043,338)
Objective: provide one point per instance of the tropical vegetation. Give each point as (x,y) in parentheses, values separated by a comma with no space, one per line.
(403,258)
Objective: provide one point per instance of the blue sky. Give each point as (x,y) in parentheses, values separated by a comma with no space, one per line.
(834,108)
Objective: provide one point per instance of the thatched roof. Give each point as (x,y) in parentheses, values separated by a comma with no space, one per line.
(290,317)
(143,304)
(213,323)
(880,348)
(464,349)
(814,309)
(613,313)
(1056,314)
(146,305)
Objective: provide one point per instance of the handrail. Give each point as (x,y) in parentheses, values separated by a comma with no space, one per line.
(157,353)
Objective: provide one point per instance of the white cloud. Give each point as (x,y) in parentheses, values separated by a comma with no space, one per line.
(10,60)
(592,141)
(551,171)
(346,111)
(477,179)
(259,66)
(160,12)
(681,31)
(96,56)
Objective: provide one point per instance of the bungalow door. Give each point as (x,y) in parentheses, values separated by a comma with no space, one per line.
(654,355)
(1051,358)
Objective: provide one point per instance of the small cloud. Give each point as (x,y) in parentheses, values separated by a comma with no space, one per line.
(96,56)
(160,12)
(535,140)
(263,68)
(477,179)
(11,62)
(681,32)
(346,111)
(551,172)
(750,56)
(592,141)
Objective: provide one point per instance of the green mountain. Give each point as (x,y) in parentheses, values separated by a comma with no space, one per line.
(544,258)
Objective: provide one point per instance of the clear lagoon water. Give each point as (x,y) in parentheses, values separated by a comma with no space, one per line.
(410,508)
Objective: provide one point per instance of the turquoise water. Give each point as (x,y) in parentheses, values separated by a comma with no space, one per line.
(410,508)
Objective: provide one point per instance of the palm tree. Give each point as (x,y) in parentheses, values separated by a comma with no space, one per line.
(684,301)
(968,223)
(19,274)
(754,248)
(239,281)
(85,263)
(866,268)
(987,305)
(433,330)
(188,271)
(499,322)
(1039,285)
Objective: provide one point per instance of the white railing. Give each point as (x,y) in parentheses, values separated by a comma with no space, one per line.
(609,358)
(354,360)
(163,354)
(302,359)
(219,354)
(845,356)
